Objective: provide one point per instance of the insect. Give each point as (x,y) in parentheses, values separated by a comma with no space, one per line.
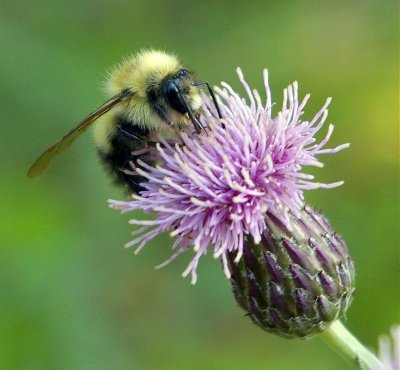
(151,93)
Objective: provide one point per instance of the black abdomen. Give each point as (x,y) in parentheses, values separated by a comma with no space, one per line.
(127,138)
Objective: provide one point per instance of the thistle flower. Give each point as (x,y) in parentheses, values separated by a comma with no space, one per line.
(389,350)
(214,189)
(296,282)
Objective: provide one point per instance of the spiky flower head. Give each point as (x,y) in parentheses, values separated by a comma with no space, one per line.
(295,282)
(213,189)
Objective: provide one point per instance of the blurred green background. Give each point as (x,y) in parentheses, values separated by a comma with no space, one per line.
(71,296)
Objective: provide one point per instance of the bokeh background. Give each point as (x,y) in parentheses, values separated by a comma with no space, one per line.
(70,296)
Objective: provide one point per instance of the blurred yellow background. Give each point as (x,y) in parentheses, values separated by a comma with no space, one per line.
(71,296)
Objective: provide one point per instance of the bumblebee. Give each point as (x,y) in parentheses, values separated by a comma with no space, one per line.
(151,92)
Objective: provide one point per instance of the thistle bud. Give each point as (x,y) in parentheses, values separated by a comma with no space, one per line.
(295,282)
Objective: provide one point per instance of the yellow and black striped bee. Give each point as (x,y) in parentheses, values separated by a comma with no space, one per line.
(151,92)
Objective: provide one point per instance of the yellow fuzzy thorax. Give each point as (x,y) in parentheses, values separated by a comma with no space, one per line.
(138,73)
(141,70)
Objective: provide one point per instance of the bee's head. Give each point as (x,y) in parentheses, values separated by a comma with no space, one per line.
(160,83)
(179,92)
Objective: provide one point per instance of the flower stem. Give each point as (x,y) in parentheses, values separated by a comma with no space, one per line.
(348,346)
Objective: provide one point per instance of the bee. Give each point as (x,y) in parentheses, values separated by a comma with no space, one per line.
(151,92)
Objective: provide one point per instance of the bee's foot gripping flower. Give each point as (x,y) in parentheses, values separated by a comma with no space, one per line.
(296,282)
(215,188)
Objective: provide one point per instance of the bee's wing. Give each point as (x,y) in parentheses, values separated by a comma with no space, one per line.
(44,160)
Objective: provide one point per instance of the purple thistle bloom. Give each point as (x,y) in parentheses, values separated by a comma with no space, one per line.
(389,350)
(214,188)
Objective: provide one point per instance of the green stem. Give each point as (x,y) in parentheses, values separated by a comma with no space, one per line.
(347,345)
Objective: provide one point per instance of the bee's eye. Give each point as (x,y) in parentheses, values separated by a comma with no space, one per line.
(170,89)
(171,92)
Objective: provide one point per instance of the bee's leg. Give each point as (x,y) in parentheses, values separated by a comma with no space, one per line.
(162,113)
(164,116)
(134,185)
(129,135)
(129,176)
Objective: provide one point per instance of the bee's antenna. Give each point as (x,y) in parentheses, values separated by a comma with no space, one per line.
(199,83)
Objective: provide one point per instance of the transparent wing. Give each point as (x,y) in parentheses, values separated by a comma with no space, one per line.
(44,160)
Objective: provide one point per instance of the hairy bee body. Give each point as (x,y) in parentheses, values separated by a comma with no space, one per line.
(135,123)
(151,92)
(120,151)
